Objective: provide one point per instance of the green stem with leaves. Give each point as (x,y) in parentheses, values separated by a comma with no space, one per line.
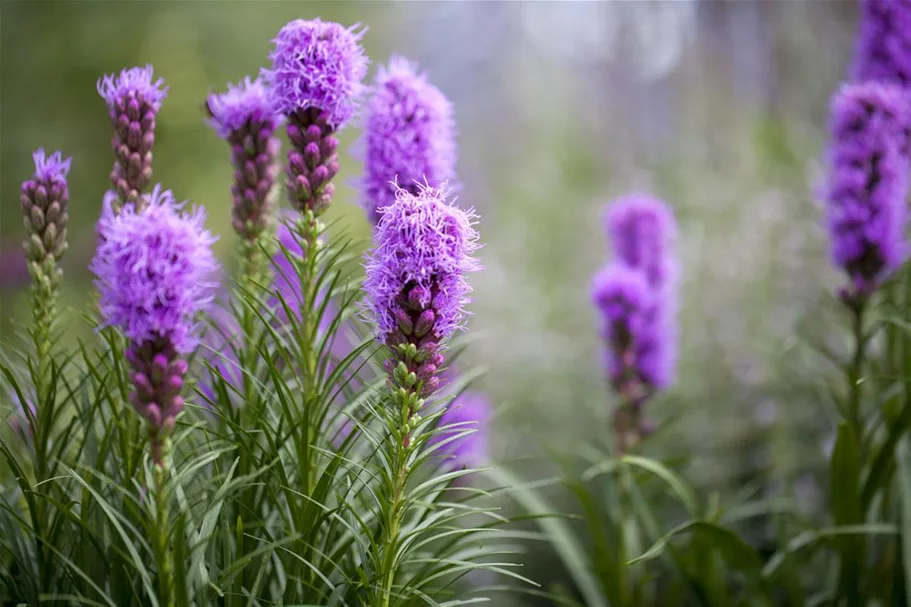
(161,530)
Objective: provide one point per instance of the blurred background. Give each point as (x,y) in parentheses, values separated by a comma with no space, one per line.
(717,107)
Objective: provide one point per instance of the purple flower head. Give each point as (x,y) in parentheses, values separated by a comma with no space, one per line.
(133,99)
(153,270)
(244,118)
(44,200)
(317,64)
(135,83)
(242,104)
(866,193)
(51,169)
(883,52)
(469,411)
(423,246)
(642,231)
(409,136)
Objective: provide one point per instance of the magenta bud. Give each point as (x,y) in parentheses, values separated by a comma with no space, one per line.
(405,324)
(152,413)
(314,133)
(425,322)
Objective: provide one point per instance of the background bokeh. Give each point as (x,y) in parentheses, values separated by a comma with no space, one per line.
(717,107)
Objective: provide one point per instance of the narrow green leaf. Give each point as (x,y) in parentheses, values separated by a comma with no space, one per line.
(904,474)
(846,510)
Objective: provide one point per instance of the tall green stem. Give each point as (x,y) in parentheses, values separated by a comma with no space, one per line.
(401,451)
(309,230)
(161,532)
(855,373)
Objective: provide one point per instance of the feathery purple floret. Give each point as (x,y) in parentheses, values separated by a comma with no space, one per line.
(866,206)
(133,98)
(242,103)
(244,117)
(469,411)
(409,136)
(53,168)
(415,283)
(883,52)
(317,64)
(153,270)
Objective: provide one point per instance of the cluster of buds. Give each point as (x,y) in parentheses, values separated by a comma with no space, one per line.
(158,375)
(133,99)
(44,201)
(312,161)
(243,117)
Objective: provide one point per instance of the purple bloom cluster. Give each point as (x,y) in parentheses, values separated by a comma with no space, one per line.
(622,297)
(866,206)
(317,64)
(415,281)
(244,117)
(44,199)
(409,136)
(883,51)
(642,231)
(133,98)
(315,80)
(469,411)
(153,271)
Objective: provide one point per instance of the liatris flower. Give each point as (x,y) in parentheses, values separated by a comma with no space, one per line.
(409,136)
(883,51)
(153,268)
(866,195)
(469,411)
(642,231)
(244,118)
(44,199)
(133,99)
(415,282)
(315,79)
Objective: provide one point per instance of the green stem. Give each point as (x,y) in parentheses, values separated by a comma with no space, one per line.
(161,533)
(855,373)
(309,231)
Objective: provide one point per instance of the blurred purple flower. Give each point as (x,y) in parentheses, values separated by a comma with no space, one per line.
(469,411)
(883,52)
(642,230)
(866,194)
(415,283)
(244,118)
(409,136)
(133,98)
(13,268)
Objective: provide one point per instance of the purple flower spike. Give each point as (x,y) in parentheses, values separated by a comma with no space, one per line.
(315,80)
(415,283)
(133,98)
(409,136)
(883,51)
(153,270)
(470,411)
(319,65)
(866,194)
(44,199)
(244,118)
